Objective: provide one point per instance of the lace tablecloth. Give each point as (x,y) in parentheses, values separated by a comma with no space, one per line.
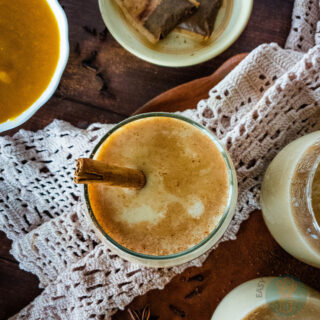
(270,99)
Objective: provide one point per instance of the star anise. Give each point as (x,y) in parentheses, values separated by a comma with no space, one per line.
(143,315)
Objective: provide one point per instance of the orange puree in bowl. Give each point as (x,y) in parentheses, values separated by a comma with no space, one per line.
(29,53)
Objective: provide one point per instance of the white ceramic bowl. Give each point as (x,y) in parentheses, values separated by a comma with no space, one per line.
(178,49)
(63,59)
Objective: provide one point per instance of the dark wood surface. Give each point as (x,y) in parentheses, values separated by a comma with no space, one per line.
(111,85)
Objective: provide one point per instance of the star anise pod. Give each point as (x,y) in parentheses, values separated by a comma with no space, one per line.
(143,315)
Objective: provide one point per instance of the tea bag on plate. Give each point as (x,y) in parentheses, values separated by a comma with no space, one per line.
(156,18)
(202,22)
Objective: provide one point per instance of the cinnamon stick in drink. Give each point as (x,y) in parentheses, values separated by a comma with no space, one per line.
(93,171)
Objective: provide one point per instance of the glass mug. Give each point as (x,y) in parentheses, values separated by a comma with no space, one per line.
(290,198)
(196,250)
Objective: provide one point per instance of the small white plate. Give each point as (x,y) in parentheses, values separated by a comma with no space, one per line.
(178,49)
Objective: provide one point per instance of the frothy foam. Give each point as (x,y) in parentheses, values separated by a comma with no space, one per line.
(196,209)
(144,213)
(186,191)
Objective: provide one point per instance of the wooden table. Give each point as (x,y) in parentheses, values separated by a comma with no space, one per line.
(105,83)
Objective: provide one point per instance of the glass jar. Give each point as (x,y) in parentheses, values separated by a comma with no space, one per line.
(289,200)
(193,252)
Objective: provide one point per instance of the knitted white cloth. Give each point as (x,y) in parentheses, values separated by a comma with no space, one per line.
(270,99)
(305,28)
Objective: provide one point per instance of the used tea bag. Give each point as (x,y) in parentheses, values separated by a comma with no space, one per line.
(202,22)
(156,18)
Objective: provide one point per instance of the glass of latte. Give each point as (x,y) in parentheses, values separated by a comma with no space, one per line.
(290,198)
(271,298)
(188,199)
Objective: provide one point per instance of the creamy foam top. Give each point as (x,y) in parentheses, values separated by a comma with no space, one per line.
(186,191)
(310,311)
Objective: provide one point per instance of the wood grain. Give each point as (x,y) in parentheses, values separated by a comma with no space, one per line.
(17,287)
(187,95)
(109,86)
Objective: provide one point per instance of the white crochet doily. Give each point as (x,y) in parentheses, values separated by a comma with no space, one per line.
(270,99)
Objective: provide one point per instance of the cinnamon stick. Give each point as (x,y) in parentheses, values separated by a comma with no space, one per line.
(94,171)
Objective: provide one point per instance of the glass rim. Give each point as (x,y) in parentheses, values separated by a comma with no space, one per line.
(231,181)
(309,184)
